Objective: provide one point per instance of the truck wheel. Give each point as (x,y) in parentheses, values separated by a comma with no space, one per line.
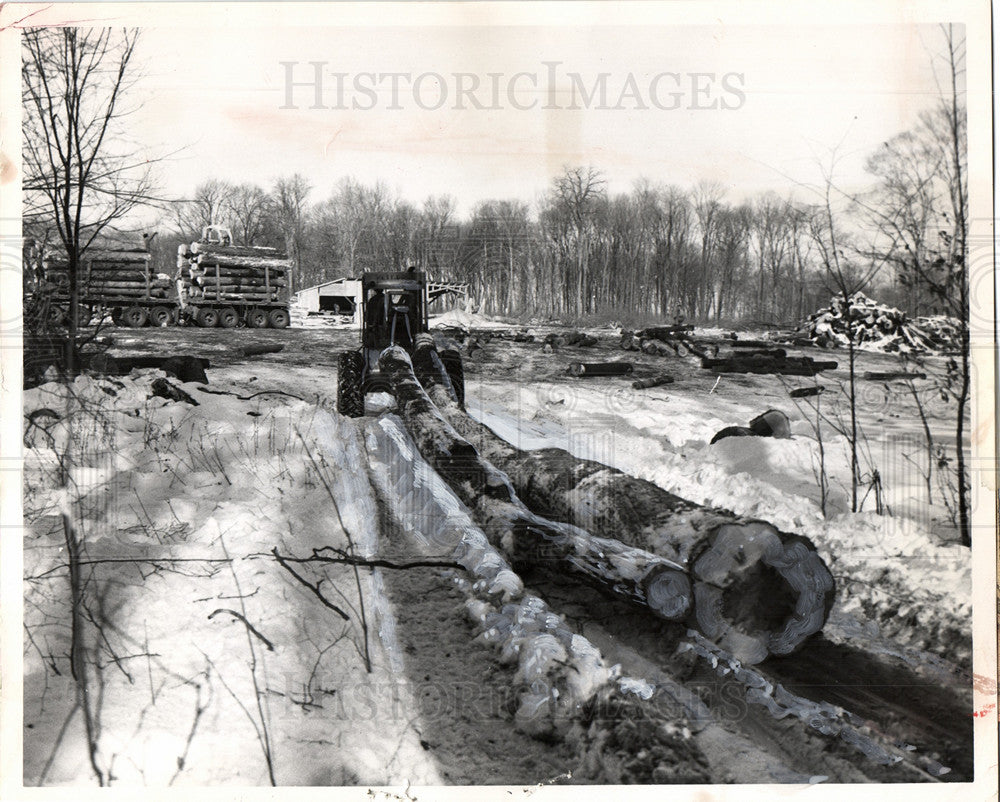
(160,316)
(278,318)
(116,316)
(350,398)
(452,361)
(228,318)
(134,317)
(206,317)
(257,319)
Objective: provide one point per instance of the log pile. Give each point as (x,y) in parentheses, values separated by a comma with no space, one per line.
(878,327)
(231,273)
(757,591)
(666,341)
(118,271)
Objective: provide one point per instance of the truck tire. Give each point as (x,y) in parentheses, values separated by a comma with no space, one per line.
(206,317)
(160,316)
(452,361)
(257,318)
(134,317)
(228,318)
(279,318)
(116,315)
(350,396)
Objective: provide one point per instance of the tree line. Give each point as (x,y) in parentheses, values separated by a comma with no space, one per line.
(657,250)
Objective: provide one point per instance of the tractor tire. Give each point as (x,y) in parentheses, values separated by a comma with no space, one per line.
(278,318)
(452,361)
(206,317)
(160,316)
(257,318)
(228,318)
(350,396)
(134,317)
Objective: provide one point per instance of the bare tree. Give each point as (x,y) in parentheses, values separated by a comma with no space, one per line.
(79,177)
(288,205)
(919,211)
(208,207)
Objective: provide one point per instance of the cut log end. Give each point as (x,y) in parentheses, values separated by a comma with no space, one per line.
(757,593)
(668,592)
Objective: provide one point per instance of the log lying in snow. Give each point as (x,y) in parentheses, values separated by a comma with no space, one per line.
(643,578)
(757,591)
(805,392)
(893,376)
(654,381)
(599,368)
(788,366)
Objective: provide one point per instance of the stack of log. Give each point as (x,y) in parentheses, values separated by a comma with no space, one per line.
(118,271)
(756,591)
(875,326)
(232,273)
(666,341)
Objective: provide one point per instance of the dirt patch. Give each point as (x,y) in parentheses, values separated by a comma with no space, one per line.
(462,693)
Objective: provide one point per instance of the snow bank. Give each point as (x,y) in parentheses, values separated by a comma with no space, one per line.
(891,571)
(178,508)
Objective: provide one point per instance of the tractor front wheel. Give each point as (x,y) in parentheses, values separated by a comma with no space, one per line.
(350,396)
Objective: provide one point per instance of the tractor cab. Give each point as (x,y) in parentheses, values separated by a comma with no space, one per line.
(393,312)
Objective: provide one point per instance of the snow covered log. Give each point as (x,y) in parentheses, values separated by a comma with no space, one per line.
(757,591)
(643,578)
(236,250)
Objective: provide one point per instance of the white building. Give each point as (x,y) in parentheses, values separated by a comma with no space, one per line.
(340,296)
(343,296)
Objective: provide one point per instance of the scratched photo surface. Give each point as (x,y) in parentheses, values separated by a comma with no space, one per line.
(516,395)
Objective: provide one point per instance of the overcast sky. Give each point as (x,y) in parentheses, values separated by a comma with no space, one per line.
(792,93)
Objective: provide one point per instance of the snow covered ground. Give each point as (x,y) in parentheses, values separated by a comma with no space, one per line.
(210,662)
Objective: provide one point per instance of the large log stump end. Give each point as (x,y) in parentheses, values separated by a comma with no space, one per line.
(759,593)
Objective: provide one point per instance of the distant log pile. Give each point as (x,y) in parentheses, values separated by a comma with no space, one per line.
(118,271)
(878,327)
(667,341)
(231,273)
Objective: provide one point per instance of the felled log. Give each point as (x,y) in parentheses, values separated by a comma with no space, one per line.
(656,348)
(654,381)
(758,591)
(732,431)
(629,341)
(257,350)
(599,368)
(640,577)
(580,339)
(236,250)
(805,392)
(773,423)
(259,262)
(751,344)
(664,332)
(893,375)
(164,389)
(789,366)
